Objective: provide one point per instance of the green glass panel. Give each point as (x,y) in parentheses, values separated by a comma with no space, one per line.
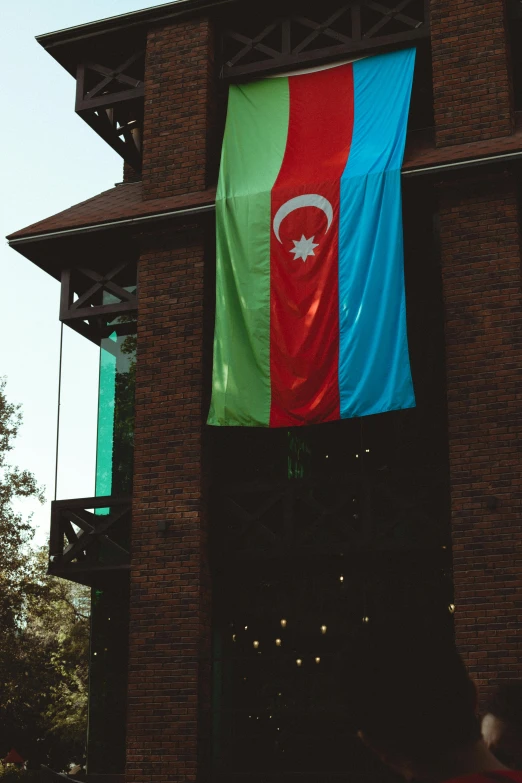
(114,458)
(106,406)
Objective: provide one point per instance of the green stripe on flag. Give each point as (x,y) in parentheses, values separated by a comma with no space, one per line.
(253,150)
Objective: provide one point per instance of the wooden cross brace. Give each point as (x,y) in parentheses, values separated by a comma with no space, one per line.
(93,528)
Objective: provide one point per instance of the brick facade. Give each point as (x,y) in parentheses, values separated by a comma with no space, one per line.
(471,75)
(480,245)
(480,255)
(169,606)
(481,263)
(179,92)
(169,655)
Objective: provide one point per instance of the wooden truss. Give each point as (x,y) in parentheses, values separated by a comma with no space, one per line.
(84,295)
(340,515)
(84,542)
(110,100)
(293,40)
(293,518)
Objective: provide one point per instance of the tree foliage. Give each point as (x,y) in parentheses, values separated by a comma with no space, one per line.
(43,630)
(16,571)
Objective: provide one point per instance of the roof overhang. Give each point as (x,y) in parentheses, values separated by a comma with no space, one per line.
(67,46)
(50,250)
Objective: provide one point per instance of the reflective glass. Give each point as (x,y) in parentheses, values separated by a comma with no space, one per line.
(114,457)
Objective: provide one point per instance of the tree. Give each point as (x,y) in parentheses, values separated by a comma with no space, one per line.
(44,634)
(57,626)
(15,534)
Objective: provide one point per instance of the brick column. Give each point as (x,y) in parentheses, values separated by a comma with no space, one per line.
(481,268)
(169,653)
(179,94)
(471,72)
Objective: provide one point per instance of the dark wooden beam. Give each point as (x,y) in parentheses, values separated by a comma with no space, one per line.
(100,122)
(97,97)
(344,26)
(74,555)
(88,285)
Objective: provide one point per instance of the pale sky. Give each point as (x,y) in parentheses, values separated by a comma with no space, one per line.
(51,160)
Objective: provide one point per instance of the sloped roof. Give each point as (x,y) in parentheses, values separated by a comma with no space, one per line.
(121,203)
(123,206)
(13,757)
(421,151)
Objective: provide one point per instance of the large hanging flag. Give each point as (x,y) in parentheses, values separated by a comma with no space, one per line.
(310,308)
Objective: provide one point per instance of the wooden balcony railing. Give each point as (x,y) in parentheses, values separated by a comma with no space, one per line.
(89,538)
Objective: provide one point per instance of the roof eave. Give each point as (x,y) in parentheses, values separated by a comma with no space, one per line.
(112,24)
(15,241)
(46,250)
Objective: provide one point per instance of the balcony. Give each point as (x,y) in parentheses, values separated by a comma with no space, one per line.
(90,533)
(109,67)
(89,538)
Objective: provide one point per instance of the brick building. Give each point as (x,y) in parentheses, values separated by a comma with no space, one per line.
(231,570)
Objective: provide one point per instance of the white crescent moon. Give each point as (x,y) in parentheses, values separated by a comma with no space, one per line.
(307,200)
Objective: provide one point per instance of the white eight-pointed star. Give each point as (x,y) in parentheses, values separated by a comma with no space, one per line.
(303,248)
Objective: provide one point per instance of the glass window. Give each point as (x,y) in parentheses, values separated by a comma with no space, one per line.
(115,447)
(96,414)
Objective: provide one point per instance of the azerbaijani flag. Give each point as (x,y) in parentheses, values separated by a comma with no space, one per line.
(310,308)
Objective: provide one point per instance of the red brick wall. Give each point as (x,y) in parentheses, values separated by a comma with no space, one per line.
(170,606)
(169,649)
(471,74)
(481,268)
(179,91)
(169,655)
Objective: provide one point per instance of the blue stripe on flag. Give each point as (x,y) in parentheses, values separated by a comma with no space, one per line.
(374,366)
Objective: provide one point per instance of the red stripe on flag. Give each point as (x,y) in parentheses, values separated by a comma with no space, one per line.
(304,296)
